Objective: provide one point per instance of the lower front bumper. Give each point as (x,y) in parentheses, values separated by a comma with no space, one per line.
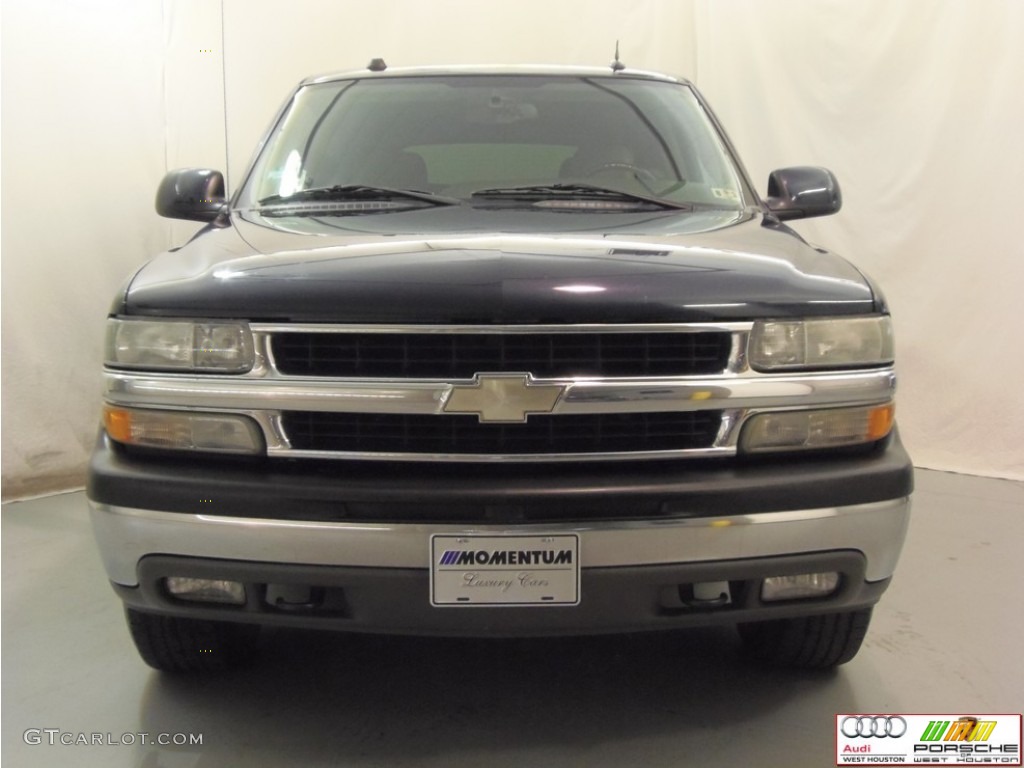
(395,601)
(127,535)
(375,577)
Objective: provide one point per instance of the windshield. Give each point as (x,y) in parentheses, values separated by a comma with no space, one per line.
(460,136)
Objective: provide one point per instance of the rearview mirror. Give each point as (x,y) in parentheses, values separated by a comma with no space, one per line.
(803,192)
(196,194)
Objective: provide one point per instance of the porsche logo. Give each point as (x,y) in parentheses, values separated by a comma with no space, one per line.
(499,397)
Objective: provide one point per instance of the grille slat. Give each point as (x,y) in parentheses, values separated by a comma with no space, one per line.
(458,434)
(463,355)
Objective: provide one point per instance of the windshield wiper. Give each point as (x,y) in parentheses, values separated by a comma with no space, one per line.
(575,191)
(356,192)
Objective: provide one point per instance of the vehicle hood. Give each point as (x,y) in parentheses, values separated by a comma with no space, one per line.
(466,265)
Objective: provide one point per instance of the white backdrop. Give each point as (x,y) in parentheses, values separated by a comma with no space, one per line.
(917,106)
(83,125)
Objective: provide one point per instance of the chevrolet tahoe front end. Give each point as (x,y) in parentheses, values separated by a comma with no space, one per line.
(498,352)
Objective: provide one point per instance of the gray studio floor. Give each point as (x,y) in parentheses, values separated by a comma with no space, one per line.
(946,638)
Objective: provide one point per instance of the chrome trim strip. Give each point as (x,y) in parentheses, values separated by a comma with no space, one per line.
(268,328)
(125,535)
(428,397)
(218,392)
(737,362)
(506,458)
(264,358)
(262,333)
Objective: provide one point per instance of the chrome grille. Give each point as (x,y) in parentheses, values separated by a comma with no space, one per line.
(463,355)
(444,434)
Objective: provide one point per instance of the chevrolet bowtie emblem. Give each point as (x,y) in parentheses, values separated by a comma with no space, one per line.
(496,397)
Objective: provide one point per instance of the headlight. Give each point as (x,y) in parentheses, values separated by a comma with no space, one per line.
(811,430)
(176,345)
(786,345)
(183,430)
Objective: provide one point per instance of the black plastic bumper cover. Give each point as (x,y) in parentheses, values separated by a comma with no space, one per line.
(375,491)
(396,601)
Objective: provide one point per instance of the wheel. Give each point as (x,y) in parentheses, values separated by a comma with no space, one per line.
(807,642)
(172,644)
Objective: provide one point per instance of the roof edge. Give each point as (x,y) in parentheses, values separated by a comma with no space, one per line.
(495,69)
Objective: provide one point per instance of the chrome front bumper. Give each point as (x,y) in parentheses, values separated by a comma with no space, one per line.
(126,535)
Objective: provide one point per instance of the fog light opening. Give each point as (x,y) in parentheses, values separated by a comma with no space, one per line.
(205,590)
(802,586)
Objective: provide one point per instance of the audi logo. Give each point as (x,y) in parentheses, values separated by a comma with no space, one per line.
(873,726)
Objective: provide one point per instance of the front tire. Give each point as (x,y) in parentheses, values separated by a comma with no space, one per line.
(807,642)
(172,644)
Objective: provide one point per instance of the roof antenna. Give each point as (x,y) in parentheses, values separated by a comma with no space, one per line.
(376,65)
(617,66)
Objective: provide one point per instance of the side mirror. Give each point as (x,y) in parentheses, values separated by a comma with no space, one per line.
(196,194)
(803,192)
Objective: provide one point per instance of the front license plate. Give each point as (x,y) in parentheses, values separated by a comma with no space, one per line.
(505,570)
